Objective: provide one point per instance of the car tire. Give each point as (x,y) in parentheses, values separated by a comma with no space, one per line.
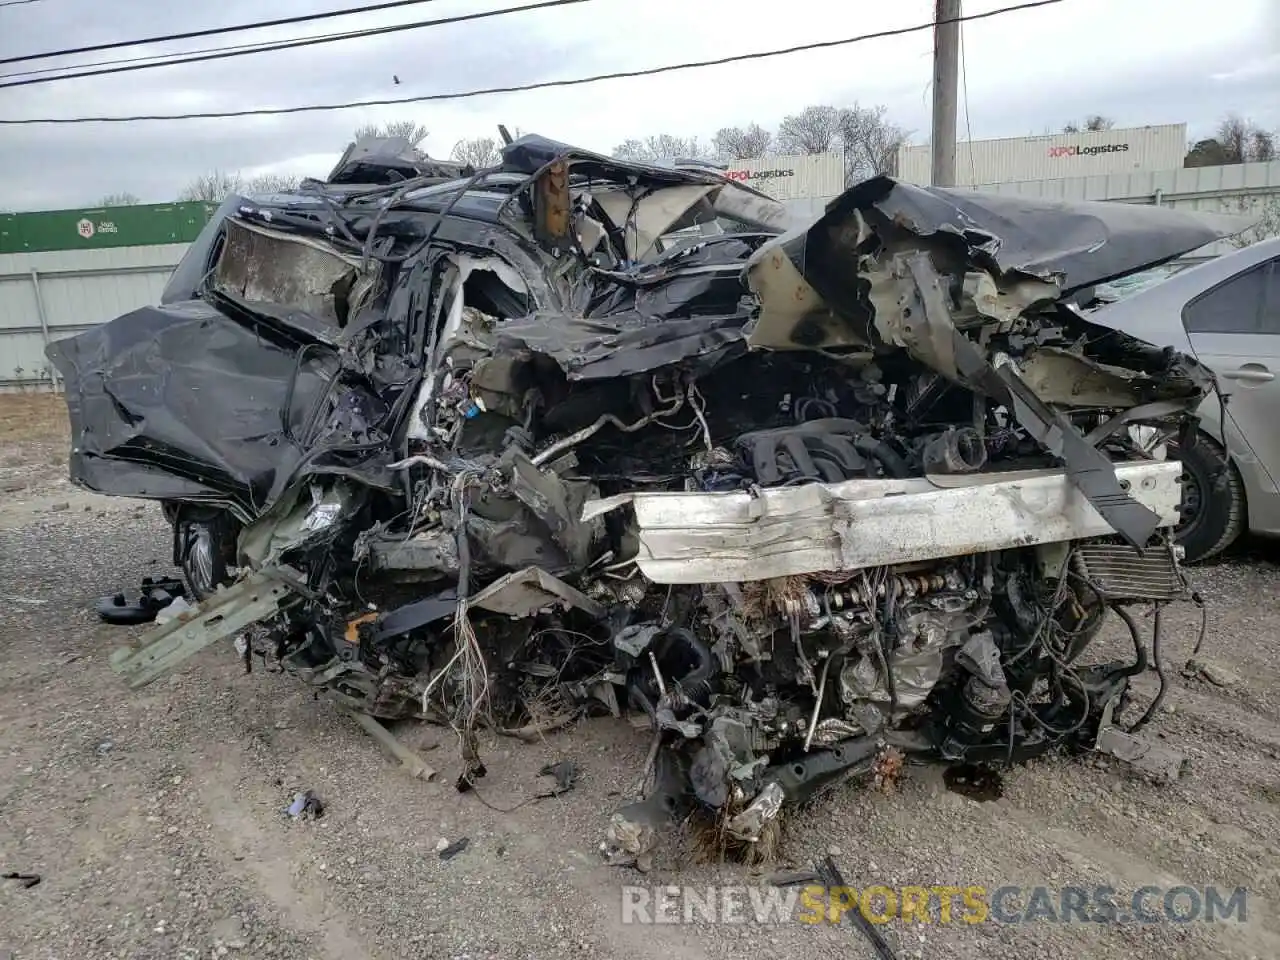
(206,550)
(1213,499)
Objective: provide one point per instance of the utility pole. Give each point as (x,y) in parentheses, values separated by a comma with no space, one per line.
(946,70)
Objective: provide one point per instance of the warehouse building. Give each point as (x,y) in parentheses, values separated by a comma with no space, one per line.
(1055,156)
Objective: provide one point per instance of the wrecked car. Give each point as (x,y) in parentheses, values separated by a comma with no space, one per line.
(571,435)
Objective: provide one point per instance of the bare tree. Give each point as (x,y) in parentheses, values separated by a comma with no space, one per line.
(273,183)
(742,143)
(1243,141)
(1234,135)
(410,130)
(1262,146)
(870,142)
(477,151)
(662,146)
(213,187)
(123,199)
(815,129)
(1266,210)
(1095,122)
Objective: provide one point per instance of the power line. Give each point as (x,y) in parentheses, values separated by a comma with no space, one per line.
(212,31)
(249,49)
(964,85)
(16,3)
(541,85)
(161,59)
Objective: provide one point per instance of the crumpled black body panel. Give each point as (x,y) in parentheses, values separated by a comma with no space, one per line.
(1079,243)
(688,306)
(182,402)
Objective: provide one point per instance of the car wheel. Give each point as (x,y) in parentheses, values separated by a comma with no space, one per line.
(1213,502)
(207,547)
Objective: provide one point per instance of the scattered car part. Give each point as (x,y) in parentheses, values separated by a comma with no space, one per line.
(831,878)
(229,611)
(154,595)
(826,874)
(1159,761)
(413,764)
(305,806)
(172,611)
(455,848)
(28,880)
(565,775)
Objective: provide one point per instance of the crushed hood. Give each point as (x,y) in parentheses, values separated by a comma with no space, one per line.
(1074,243)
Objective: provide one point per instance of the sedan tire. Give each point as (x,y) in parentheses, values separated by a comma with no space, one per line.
(1213,499)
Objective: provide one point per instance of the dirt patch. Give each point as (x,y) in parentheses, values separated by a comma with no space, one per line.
(26,417)
(34,442)
(155,817)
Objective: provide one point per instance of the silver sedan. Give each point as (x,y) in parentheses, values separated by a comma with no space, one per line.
(1227,312)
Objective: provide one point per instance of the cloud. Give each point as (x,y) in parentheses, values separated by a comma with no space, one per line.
(1256,69)
(1140,62)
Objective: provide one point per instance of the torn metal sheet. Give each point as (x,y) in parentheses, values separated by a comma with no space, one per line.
(524,593)
(1156,760)
(1075,244)
(372,159)
(790,531)
(1159,761)
(644,217)
(185,403)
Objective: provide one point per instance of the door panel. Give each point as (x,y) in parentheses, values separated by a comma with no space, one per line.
(1235,331)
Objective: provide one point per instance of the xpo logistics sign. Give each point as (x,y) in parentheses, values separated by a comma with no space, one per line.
(817,175)
(745,175)
(1075,150)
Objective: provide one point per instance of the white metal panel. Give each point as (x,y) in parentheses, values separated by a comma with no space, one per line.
(791,177)
(79,300)
(77,289)
(792,531)
(1055,155)
(166,255)
(17,303)
(1243,179)
(22,359)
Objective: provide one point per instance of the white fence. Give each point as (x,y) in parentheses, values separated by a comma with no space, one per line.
(49,295)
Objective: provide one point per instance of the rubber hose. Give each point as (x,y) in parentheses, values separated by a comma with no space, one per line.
(884,454)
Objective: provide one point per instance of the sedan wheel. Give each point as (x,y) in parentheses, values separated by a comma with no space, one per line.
(1213,500)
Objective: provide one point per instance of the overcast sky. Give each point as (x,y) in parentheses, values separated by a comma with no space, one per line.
(1137,61)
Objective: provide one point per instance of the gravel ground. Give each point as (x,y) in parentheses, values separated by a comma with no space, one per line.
(154,817)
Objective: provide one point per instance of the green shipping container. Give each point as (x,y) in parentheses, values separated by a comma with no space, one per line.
(96,228)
